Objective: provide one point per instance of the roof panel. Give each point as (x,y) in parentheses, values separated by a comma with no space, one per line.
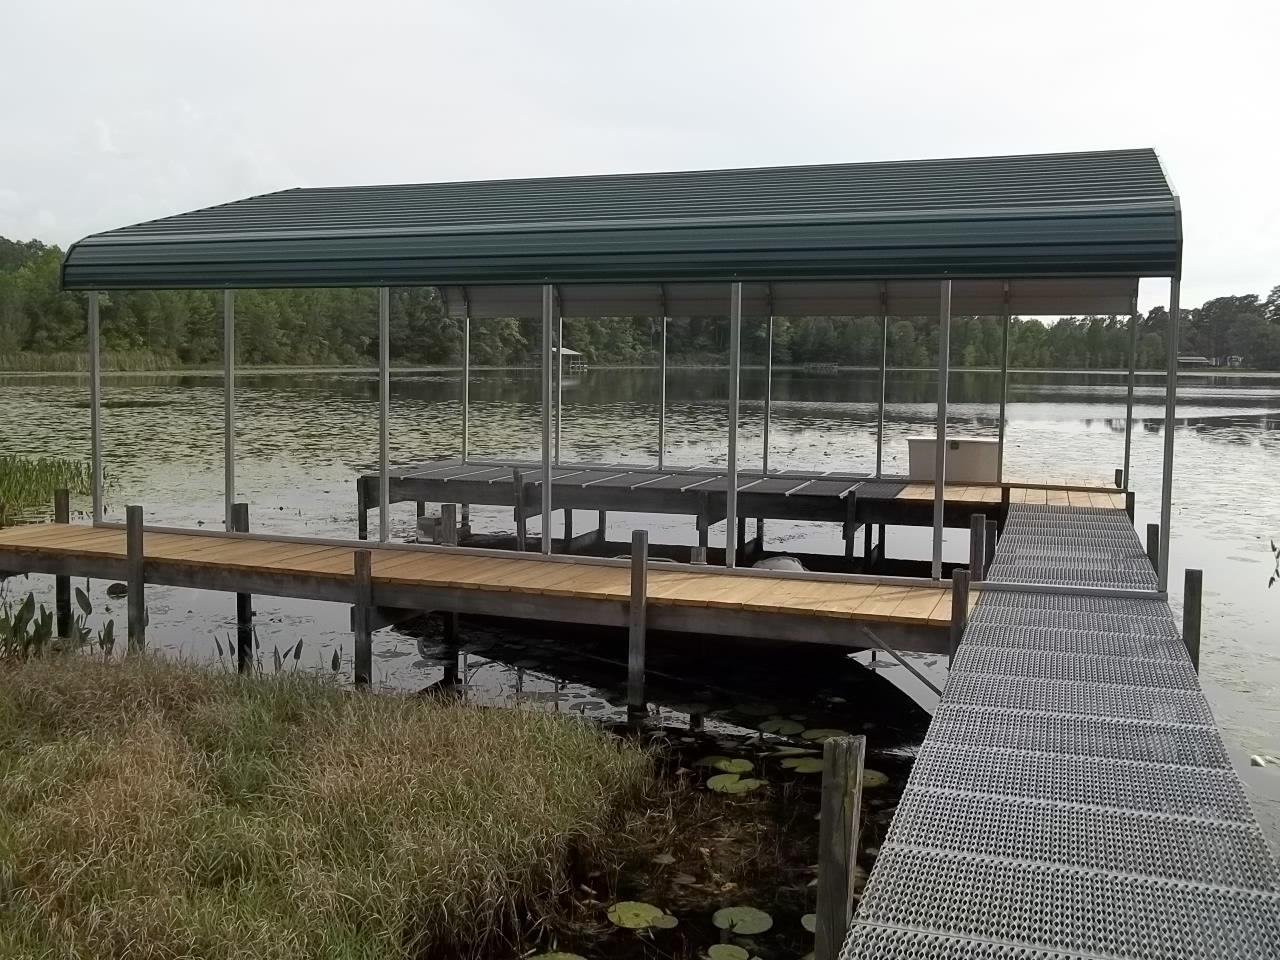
(1103,214)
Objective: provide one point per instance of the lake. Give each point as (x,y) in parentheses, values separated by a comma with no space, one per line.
(304,435)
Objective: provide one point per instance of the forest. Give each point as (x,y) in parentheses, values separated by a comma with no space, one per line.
(42,327)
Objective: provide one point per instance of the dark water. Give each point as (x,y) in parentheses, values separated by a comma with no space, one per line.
(303,437)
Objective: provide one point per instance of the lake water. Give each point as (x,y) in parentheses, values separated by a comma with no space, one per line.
(304,435)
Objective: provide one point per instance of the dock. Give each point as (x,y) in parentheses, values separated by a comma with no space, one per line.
(1073,797)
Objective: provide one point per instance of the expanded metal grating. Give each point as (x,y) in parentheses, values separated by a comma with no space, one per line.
(1073,798)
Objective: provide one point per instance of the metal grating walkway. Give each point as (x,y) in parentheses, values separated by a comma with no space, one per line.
(1073,798)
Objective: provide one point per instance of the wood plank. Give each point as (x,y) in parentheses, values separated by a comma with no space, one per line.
(1057,498)
(918,606)
(53,534)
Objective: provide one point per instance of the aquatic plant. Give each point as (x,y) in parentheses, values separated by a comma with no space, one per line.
(28,483)
(28,631)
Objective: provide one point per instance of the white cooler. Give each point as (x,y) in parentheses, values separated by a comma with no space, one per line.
(969,459)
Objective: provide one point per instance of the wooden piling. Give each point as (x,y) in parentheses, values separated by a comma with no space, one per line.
(449,524)
(1004,506)
(602,518)
(362,619)
(636,624)
(993,537)
(1130,501)
(977,547)
(244,601)
(850,523)
(62,585)
(1153,546)
(959,609)
(420,509)
(362,508)
(568,530)
(1119,478)
(134,576)
(1192,589)
(517,492)
(838,828)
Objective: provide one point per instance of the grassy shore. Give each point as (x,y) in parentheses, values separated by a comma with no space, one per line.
(155,809)
(28,483)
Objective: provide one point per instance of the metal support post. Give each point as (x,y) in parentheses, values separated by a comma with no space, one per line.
(1128,406)
(1170,412)
(559,381)
(662,398)
(466,376)
(384,412)
(940,442)
(884,370)
(1004,383)
(548,309)
(768,396)
(95,405)
(731,472)
(228,407)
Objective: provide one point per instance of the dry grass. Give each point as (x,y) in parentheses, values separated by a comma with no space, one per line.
(159,810)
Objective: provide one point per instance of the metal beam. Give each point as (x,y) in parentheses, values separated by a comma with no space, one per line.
(229,408)
(1128,407)
(1004,383)
(940,442)
(1170,411)
(548,309)
(95,405)
(731,474)
(384,412)
(884,368)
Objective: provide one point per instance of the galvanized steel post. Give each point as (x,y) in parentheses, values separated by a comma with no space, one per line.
(1004,383)
(95,405)
(384,412)
(229,409)
(731,473)
(940,441)
(466,376)
(662,398)
(768,394)
(1170,411)
(884,368)
(559,380)
(548,308)
(1128,408)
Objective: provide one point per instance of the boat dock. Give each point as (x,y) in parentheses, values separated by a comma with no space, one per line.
(1073,797)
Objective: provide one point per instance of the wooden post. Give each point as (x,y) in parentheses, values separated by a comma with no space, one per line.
(636,624)
(362,618)
(880,542)
(1153,546)
(601,519)
(698,555)
(362,509)
(137,602)
(993,535)
(1119,478)
(741,540)
(850,523)
(420,509)
(1193,586)
(959,609)
(1004,506)
(866,545)
(1130,501)
(449,524)
(838,828)
(517,481)
(977,547)
(466,521)
(62,585)
(568,528)
(244,601)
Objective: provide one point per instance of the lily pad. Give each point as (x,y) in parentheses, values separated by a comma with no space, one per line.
(635,914)
(804,764)
(873,778)
(666,922)
(744,921)
(793,752)
(810,922)
(733,784)
(726,764)
(818,735)
(727,951)
(781,726)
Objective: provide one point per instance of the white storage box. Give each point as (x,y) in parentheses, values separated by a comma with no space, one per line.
(969,459)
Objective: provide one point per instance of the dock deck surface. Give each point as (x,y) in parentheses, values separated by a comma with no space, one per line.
(1073,797)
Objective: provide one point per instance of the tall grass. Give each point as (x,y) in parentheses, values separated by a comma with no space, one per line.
(155,809)
(28,483)
(77,361)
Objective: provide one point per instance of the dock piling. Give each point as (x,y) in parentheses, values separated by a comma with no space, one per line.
(137,602)
(1153,546)
(838,828)
(362,508)
(636,624)
(978,547)
(449,524)
(1130,501)
(362,619)
(568,530)
(1193,587)
(517,493)
(62,585)
(959,609)
(601,519)
(993,537)
(1119,478)
(244,601)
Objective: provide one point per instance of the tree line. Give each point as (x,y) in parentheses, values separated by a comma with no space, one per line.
(181,328)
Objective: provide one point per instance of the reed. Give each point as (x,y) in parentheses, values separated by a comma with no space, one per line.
(27,483)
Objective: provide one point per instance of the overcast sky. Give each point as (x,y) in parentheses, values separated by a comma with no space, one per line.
(133,109)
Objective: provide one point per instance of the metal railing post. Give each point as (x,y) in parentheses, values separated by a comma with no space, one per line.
(731,474)
(940,442)
(384,412)
(229,408)
(95,405)
(1170,412)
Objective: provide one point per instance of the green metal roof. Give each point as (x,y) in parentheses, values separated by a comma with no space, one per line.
(1101,214)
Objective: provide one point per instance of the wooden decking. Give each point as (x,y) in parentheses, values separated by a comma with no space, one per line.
(1051,494)
(562,588)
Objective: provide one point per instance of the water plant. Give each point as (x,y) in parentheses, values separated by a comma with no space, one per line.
(28,630)
(28,483)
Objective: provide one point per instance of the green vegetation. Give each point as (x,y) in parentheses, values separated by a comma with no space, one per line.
(28,483)
(155,809)
(146,330)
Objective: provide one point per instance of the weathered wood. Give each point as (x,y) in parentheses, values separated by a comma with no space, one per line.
(568,528)
(1130,502)
(362,617)
(134,565)
(1004,507)
(449,524)
(978,547)
(993,538)
(601,520)
(959,607)
(698,555)
(1193,587)
(838,830)
(636,622)
(517,493)
(62,585)
(244,601)
(850,523)
(1153,546)
(1119,478)
(362,508)
(466,521)
(420,509)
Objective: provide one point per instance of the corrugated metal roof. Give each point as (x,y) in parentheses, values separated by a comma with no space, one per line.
(1101,214)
